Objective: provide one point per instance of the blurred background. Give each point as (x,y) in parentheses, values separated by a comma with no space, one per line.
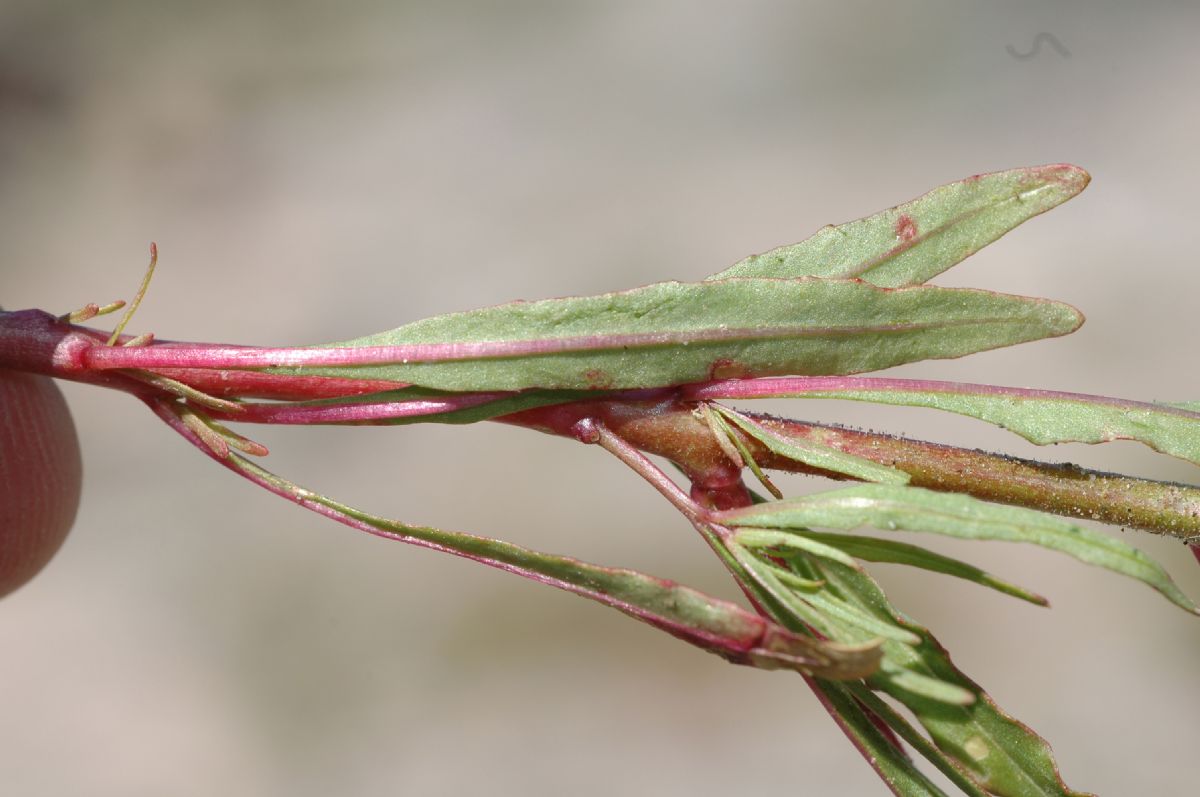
(316,171)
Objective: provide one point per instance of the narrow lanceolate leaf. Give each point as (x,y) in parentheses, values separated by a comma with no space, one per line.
(712,624)
(909,508)
(815,455)
(874,549)
(715,625)
(1003,755)
(977,744)
(1040,416)
(902,728)
(675,333)
(893,764)
(914,242)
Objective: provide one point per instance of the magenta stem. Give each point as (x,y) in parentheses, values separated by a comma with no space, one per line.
(354,412)
(793,386)
(589,430)
(184,355)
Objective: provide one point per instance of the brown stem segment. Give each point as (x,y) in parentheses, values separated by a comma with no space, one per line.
(669,428)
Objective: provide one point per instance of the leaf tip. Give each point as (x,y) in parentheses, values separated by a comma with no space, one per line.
(1071,179)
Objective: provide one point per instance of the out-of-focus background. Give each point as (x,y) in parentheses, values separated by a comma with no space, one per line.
(316,171)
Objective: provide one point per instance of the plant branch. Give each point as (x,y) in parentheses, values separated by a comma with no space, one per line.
(669,428)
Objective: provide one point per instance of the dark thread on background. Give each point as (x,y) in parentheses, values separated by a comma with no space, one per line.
(1036,47)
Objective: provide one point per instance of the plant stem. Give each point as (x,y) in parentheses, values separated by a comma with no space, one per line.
(669,428)
(658,422)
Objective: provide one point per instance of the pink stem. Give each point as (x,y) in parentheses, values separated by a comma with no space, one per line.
(784,386)
(183,355)
(354,412)
(589,430)
(277,387)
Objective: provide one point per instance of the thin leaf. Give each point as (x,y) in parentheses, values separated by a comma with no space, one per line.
(893,765)
(928,687)
(767,584)
(873,549)
(815,455)
(675,333)
(725,435)
(1042,417)
(898,507)
(834,617)
(750,537)
(828,604)
(709,623)
(914,242)
(1005,756)
(819,607)
(890,717)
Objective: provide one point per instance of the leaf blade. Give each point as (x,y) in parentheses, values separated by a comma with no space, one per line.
(1007,757)
(676,333)
(974,739)
(874,549)
(915,241)
(1043,417)
(815,455)
(892,507)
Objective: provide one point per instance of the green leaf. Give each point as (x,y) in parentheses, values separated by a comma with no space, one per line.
(506,405)
(1004,755)
(1040,416)
(928,687)
(712,624)
(893,765)
(815,455)
(750,537)
(818,607)
(891,718)
(873,549)
(972,736)
(910,508)
(914,242)
(674,333)
(739,453)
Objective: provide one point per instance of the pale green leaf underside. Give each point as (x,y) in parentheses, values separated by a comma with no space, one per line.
(874,549)
(966,726)
(909,508)
(1046,417)
(1004,755)
(675,333)
(815,455)
(914,242)
(710,623)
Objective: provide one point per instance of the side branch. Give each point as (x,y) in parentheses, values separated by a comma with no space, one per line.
(670,429)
